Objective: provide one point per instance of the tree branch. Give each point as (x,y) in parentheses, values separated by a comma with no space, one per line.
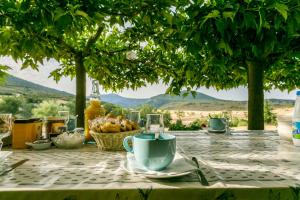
(110,53)
(60,41)
(92,40)
(71,49)
(277,56)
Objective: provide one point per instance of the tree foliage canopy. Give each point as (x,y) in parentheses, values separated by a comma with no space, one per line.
(216,39)
(188,43)
(104,33)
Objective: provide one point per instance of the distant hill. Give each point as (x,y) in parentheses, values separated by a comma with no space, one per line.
(165,99)
(156,101)
(281,101)
(14,85)
(122,101)
(199,102)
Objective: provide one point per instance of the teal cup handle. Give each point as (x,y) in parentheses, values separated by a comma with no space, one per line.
(126,145)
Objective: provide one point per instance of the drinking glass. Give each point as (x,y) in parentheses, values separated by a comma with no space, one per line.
(155,124)
(66,116)
(6,123)
(135,116)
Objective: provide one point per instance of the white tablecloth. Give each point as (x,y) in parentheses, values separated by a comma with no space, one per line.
(241,166)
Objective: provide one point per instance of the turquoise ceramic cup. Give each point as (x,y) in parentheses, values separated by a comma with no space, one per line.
(217,124)
(151,153)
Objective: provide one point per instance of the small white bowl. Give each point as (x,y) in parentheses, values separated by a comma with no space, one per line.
(296,142)
(68,141)
(39,146)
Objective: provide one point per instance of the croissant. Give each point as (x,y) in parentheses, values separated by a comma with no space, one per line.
(110,127)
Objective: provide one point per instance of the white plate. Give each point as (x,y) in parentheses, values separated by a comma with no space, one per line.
(39,146)
(179,167)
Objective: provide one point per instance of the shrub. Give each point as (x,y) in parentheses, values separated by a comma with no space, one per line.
(195,125)
(48,108)
(10,105)
(167,118)
(179,126)
(20,107)
(115,109)
(269,116)
(243,122)
(203,121)
(234,122)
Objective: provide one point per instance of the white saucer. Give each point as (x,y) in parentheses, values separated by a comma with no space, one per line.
(216,131)
(179,167)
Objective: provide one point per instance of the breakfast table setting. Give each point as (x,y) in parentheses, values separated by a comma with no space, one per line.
(117,158)
(239,165)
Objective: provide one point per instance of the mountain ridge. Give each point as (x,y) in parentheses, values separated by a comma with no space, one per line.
(14,85)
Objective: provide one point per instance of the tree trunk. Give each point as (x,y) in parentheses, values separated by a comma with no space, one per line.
(255,96)
(80,90)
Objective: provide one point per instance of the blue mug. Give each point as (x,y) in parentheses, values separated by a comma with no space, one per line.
(217,124)
(151,153)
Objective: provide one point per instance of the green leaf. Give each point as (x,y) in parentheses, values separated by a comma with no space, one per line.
(194,93)
(5,35)
(296,16)
(189,74)
(220,26)
(99,17)
(146,19)
(249,21)
(282,9)
(261,19)
(83,14)
(226,47)
(230,15)
(169,17)
(277,22)
(185,94)
(58,13)
(4,67)
(64,21)
(213,14)
(296,54)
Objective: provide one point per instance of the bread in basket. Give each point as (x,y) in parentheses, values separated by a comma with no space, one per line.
(109,132)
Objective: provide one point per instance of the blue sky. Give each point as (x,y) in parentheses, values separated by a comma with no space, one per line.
(41,77)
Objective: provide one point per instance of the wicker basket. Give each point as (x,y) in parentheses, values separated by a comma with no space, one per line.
(112,141)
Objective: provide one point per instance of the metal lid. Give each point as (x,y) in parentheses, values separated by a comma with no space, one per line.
(24,121)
